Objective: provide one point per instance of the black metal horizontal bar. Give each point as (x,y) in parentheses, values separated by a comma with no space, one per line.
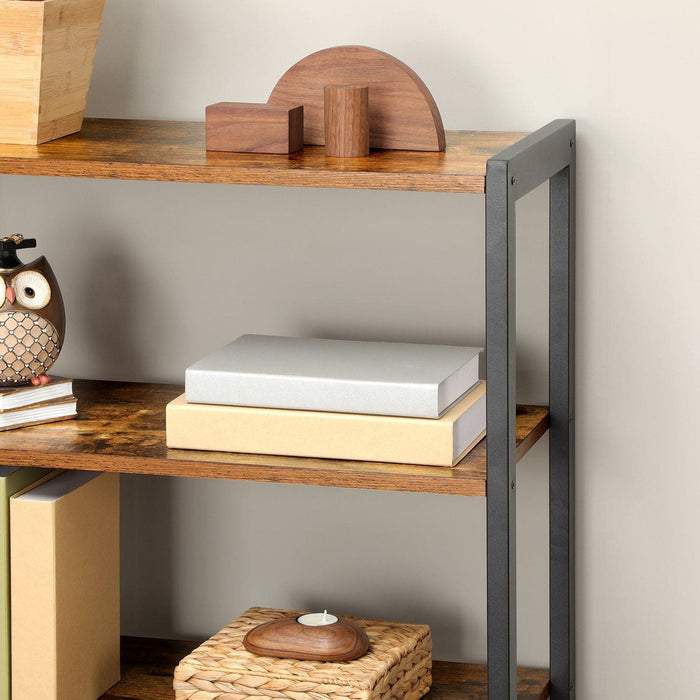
(538,156)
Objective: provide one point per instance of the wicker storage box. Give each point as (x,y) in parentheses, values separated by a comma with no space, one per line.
(47,51)
(396,667)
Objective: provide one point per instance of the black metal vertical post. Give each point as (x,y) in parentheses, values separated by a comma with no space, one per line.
(500,436)
(547,154)
(562,424)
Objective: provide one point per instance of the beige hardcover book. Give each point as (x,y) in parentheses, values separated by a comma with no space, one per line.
(353,436)
(64,550)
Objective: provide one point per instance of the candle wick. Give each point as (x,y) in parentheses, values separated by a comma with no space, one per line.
(325,612)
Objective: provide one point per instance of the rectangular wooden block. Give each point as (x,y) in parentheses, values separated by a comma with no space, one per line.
(47,51)
(254,128)
(396,667)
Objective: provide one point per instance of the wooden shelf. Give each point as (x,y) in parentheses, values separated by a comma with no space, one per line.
(147,670)
(121,427)
(175,151)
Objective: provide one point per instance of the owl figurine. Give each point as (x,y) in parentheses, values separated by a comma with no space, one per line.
(32,317)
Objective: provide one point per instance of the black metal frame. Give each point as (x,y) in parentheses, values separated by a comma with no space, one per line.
(546,154)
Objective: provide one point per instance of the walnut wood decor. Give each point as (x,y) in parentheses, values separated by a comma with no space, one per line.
(402,112)
(288,638)
(254,128)
(346,120)
(47,51)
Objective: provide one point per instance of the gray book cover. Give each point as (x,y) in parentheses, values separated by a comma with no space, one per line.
(347,376)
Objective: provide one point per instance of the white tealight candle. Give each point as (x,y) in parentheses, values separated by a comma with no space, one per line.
(317,619)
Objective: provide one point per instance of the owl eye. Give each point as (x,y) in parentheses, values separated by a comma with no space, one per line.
(33,290)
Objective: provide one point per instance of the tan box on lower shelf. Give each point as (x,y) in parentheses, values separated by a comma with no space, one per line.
(396,667)
(64,583)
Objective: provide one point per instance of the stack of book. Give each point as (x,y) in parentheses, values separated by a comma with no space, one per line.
(29,405)
(337,399)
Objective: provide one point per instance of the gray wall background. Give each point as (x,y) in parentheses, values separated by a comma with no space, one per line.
(155,275)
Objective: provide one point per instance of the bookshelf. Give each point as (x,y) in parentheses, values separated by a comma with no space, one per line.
(148,663)
(121,426)
(175,152)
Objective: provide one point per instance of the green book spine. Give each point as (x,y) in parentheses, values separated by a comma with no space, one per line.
(12,480)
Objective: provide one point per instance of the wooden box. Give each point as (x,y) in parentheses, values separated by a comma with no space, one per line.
(396,667)
(254,128)
(47,51)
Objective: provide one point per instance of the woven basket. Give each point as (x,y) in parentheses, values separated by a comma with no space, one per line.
(397,666)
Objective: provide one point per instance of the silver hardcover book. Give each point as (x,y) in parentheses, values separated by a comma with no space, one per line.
(347,376)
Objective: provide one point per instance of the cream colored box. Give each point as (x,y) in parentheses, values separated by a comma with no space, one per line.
(438,442)
(47,52)
(64,555)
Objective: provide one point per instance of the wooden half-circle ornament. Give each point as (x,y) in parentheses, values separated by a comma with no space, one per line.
(402,112)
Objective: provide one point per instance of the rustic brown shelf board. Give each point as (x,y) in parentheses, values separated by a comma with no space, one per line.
(175,151)
(148,664)
(121,427)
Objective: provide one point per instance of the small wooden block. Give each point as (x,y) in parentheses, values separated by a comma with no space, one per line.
(346,120)
(254,128)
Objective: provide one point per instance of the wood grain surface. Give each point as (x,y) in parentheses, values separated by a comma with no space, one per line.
(254,128)
(346,120)
(148,665)
(47,51)
(402,112)
(286,638)
(176,152)
(121,427)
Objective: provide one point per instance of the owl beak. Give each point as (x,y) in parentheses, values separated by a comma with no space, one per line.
(10,295)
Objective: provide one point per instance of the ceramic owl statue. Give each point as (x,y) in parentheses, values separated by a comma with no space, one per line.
(32,318)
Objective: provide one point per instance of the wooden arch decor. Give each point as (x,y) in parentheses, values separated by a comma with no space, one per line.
(402,112)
